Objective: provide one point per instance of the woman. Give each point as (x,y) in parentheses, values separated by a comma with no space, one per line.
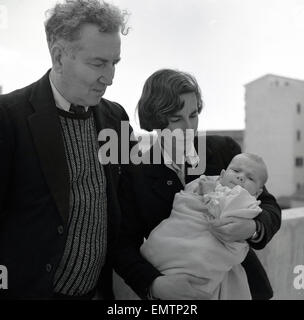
(172,100)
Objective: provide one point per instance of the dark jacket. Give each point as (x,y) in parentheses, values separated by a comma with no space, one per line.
(153,188)
(34,190)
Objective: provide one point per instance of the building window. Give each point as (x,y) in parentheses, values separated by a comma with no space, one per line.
(286,84)
(298,186)
(299,162)
(298,135)
(298,108)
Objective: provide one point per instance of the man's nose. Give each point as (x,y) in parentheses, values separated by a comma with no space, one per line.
(107,75)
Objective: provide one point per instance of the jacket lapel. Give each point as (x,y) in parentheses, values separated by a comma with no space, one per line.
(163,180)
(46,130)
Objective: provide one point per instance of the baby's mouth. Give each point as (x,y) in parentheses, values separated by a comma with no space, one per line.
(233,184)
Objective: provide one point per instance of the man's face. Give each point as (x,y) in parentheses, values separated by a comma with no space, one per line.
(244,172)
(88,71)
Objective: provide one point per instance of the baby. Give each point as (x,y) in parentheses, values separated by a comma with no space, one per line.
(246,170)
(183,243)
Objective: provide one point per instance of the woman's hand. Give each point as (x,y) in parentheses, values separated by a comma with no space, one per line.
(232,229)
(178,287)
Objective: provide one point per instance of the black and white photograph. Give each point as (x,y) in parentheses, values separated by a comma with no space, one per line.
(151,151)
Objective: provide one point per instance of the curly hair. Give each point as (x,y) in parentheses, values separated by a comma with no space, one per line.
(160,97)
(66,19)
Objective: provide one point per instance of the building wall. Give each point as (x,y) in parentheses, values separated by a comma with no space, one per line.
(270,106)
(299,146)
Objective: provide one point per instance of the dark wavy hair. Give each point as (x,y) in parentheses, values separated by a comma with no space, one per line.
(66,19)
(160,97)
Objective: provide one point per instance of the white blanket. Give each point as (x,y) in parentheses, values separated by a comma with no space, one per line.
(182,244)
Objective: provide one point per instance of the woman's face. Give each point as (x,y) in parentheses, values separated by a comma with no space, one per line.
(186,118)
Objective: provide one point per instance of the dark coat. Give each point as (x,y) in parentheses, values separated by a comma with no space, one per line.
(34,190)
(153,188)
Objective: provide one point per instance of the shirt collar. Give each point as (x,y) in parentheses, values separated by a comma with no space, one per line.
(192,158)
(179,170)
(60,100)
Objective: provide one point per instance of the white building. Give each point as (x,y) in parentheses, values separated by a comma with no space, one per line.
(275,130)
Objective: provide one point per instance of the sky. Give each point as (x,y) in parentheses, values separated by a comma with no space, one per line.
(223,43)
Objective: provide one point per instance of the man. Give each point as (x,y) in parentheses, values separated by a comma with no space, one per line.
(59,212)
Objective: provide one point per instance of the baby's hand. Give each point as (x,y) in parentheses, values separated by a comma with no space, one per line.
(205,186)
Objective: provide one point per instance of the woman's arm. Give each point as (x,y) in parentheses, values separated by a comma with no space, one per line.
(269,218)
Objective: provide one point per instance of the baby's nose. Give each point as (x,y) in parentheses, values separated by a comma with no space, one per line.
(240,178)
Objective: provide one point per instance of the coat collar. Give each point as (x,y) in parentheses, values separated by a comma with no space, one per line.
(165,181)
(158,170)
(46,130)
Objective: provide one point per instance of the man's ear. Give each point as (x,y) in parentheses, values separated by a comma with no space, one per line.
(57,52)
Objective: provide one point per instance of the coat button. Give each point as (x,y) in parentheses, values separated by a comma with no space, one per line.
(169,182)
(48,267)
(60,229)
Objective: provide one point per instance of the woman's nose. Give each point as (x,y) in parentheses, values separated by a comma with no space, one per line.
(187,124)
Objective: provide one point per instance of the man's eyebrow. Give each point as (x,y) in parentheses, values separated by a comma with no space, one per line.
(103,60)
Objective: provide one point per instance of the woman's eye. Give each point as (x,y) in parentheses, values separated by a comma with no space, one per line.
(174,120)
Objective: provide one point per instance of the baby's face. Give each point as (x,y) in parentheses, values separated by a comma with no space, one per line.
(244,172)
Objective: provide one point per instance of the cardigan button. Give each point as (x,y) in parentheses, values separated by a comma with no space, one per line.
(48,267)
(169,182)
(60,229)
